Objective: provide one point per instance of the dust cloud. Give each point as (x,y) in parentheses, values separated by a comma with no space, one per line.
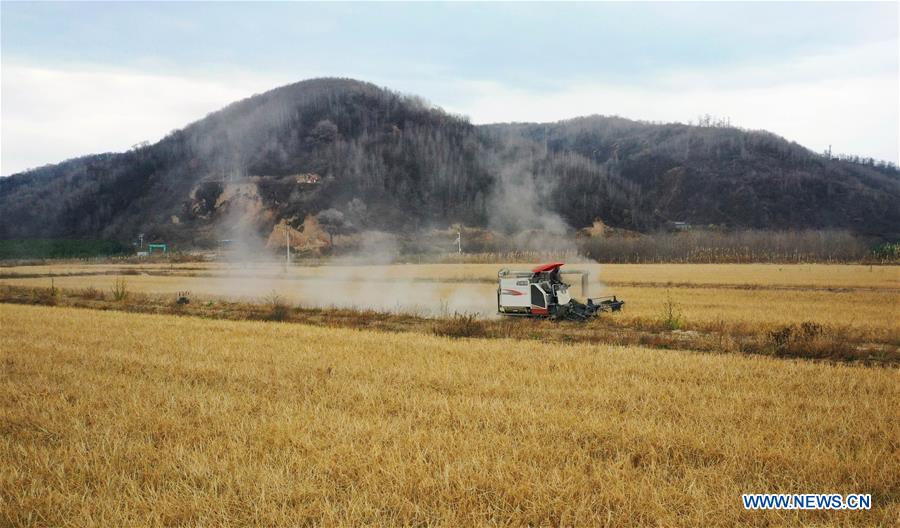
(374,277)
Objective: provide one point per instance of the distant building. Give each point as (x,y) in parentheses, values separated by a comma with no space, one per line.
(680,226)
(309,178)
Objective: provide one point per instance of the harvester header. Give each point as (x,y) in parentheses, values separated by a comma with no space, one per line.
(542,293)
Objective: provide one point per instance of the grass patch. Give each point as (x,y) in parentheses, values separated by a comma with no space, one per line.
(812,340)
(92,293)
(46,296)
(278,308)
(671,316)
(460,325)
(119,290)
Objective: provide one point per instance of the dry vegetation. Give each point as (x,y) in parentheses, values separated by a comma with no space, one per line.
(110,418)
(667,330)
(806,275)
(847,294)
(837,312)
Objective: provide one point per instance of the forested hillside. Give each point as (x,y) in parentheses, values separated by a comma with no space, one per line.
(722,175)
(360,157)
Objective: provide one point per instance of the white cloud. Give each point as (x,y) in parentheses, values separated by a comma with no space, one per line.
(52,114)
(856,116)
(846,98)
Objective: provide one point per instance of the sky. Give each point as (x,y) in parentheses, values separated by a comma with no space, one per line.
(82,78)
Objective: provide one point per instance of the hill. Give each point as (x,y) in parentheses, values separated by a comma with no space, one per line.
(360,157)
(719,175)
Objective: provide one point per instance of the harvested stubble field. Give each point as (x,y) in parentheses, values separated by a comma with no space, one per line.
(842,312)
(851,295)
(114,418)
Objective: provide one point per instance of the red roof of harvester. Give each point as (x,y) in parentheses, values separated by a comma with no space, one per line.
(547,267)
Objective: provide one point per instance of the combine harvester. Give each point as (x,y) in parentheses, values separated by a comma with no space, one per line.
(542,293)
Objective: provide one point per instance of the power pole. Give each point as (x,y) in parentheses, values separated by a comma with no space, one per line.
(458,241)
(287,246)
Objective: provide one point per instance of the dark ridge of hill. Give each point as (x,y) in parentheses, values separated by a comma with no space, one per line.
(725,176)
(362,157)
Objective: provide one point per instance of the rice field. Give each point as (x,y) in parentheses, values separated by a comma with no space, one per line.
(864,298)
(807,275)
(121,419)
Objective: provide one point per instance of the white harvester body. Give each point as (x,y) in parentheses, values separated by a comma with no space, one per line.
(542,293)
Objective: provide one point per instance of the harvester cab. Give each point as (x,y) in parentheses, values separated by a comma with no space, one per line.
(541,292)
